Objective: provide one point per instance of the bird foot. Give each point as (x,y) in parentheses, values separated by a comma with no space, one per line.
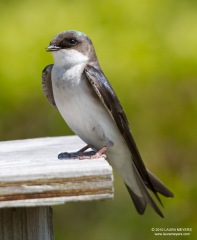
(75,155)
(97,155)
(82,155)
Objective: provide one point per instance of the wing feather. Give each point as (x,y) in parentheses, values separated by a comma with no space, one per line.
(47,84)
(109,99)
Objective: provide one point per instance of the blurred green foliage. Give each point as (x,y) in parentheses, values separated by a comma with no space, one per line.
(148,50)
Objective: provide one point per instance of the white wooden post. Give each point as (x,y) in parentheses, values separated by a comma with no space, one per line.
(29,223)
(32,179)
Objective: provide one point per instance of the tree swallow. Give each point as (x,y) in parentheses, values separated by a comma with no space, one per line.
(78,88)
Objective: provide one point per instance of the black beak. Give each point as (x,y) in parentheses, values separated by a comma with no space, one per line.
(52,48)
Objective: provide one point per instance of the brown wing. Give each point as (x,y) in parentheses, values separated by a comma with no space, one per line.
(47,84)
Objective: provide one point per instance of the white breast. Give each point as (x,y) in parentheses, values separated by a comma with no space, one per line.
(86,115)
(83,113)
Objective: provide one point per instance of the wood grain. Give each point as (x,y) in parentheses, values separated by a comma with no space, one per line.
(32,175)
(26,223)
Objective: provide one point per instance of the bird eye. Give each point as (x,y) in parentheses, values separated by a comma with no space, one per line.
(72,41)
(68,43)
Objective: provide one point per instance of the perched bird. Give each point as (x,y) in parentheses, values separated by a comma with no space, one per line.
(78,88)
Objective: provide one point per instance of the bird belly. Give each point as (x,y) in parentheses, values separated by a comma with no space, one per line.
(83,112)
(89,119)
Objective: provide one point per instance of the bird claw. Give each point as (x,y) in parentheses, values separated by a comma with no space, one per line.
(95,156)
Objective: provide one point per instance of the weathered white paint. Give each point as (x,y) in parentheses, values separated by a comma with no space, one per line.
(32,175)
(33,179)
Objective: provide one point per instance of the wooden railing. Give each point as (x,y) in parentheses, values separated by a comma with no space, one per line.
(32,180)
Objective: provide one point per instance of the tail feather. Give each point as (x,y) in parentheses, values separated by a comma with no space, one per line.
(159,186)
(140,202)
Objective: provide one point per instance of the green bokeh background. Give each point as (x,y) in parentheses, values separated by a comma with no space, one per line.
(148,51)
